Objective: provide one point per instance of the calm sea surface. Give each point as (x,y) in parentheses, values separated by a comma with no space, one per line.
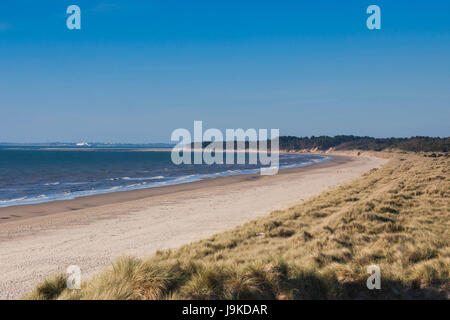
(28,175)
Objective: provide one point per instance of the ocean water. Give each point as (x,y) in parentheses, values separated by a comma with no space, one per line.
(31,175)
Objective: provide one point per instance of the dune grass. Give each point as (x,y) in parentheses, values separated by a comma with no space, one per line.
(395,217)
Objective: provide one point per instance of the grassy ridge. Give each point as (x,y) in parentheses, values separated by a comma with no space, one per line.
(395,217)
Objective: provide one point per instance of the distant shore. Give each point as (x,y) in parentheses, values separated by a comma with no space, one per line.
(93,231)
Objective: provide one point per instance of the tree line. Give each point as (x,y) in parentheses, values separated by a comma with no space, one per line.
(350,142)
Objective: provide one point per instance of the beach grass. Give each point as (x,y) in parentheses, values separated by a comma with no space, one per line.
(395,217)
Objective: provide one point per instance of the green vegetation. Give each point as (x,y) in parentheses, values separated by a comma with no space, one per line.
(395,217)
(349,142)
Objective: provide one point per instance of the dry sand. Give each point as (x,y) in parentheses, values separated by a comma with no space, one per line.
(39,240)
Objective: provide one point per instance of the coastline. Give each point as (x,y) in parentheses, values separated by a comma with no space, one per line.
(26,211)
(94,231)
(61,184)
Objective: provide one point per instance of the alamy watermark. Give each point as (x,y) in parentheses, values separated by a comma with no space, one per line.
(374,20)
(73,21)
(235,141)
(73,281)
(374,281)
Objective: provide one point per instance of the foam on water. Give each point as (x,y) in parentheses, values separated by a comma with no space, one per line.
(34,176)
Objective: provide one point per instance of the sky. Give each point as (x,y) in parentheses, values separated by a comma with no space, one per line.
(137,70)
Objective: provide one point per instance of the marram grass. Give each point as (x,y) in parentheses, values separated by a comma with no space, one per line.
(396,217)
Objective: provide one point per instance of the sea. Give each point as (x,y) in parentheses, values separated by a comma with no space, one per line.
(36,174)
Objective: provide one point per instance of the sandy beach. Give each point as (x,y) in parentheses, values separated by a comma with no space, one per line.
(39,240)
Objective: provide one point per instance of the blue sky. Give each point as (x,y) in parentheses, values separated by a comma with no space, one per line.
(137,70)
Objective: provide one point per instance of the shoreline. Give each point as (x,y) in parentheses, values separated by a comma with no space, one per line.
(94,231)
(22,201)
(26,211)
